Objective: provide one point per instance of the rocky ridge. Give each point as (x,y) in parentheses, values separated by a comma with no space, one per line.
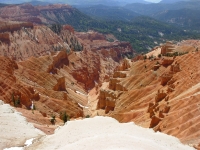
(46,71)
(41,66)
(159,93)
(37,14)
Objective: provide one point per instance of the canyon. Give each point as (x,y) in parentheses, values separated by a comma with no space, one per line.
(86,74)
(43,74)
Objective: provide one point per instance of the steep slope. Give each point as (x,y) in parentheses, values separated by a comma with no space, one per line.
(109,13)
(23,40)
(180,13)
(187,18)
(25,12)
(49,76)
(158,93)
(150,9)
(50,14)
(62,14)
(21,87)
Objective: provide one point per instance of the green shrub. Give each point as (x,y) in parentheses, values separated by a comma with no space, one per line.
(16,102)
(53,119)
(64,117)
(87,116)
(159,55)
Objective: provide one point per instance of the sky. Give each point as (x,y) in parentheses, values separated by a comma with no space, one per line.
(154,1)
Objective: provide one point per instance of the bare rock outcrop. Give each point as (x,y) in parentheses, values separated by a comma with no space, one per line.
(5,38)
(23,13)
(154,121)
(174,112)
(167,48)
(91,36)
(160,96)
(165,78)
(110,104)
(119,74)
(175,67)
(113,83)
(167,61)
(124,65)
(10,87)
(15,130)
(14,26)
(107,100)
(37,41)
(156,67)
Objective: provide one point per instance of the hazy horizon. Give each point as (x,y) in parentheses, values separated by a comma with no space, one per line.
(71,1)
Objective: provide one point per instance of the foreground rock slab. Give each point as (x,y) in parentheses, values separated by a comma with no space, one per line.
(14,129)
(106,133)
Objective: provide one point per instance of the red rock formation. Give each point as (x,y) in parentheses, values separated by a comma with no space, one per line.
(69,28)
(90,36)
(24,13)
(124,65)
(167,61)
(175,68)
(154,122)
(20,85)
(4,37)
(165,78)
(119,74)
(156,67)
(14,26)
(160,96)
(174,111)
(97,42)
(10,89)
(38,41)
(167,48)
(110,104)
(107,99)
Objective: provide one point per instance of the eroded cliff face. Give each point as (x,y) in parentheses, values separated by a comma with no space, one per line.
(164,98)
(50,14)
(99,58)
(26,83)
(43,67)
(24,42)
(14,26)
(51,74)
(98,42)
(24,13)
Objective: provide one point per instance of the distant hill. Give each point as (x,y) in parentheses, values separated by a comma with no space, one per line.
(142,32)
(3,5)
(41,3)
(12,1)
(182,13)
(184,17)
(76,2)
(97,2)
(109,13)
(172,1)
(151,9)
(136,1)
